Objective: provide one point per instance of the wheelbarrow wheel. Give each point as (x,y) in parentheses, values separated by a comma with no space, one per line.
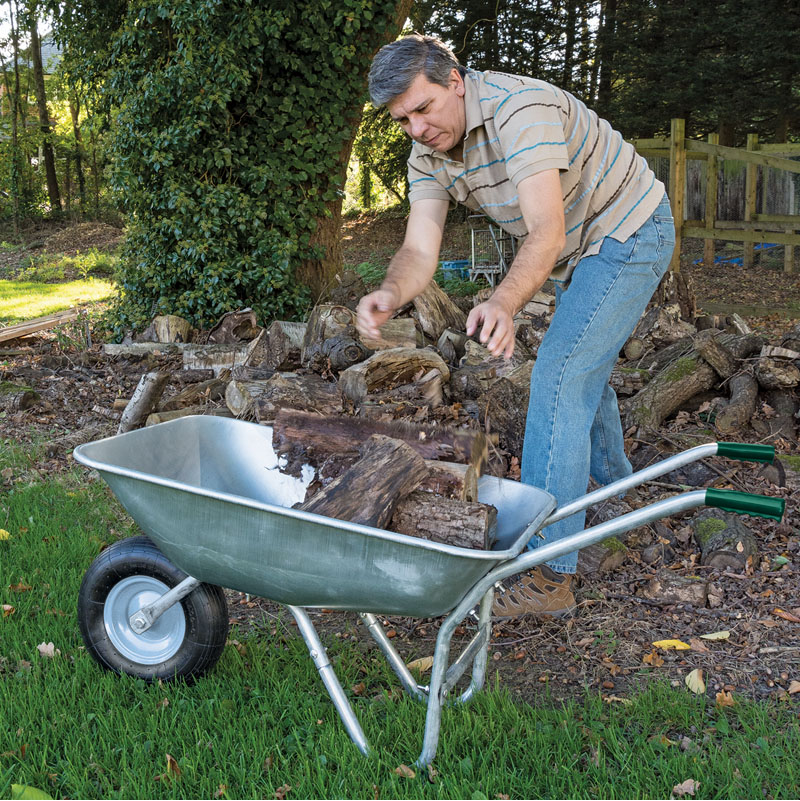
(185,642)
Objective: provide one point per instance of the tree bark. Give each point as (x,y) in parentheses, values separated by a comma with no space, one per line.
(368,491)
(436,312)
(44,119)
(737,413)
(145,397)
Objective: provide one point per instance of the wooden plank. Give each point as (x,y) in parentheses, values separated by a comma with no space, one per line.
(712,177)
(692,232)
(791,220)
(750,187)
(741,225)
(657,143)
(781,147)
(746,156)
(38,324)
(677,185)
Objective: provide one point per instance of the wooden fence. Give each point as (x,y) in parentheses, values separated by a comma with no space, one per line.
(756,227)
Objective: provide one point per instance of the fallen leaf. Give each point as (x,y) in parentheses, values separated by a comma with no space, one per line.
(653,659)
(4,535)
(20,587)
(48,650)
(423,664)
(716,635)
(697,645)
(610,699)
(24,791)
(404,771)
(172,767)
(794,687)
(358,689)
(678,645)
(786,615)
(694,681)
(689,787)
(282,791)
(661,739)
(220,791)
(725,699)
(432,774)
(8,610)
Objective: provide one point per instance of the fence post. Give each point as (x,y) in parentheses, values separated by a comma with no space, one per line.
(712,177)
(677,184)
(750,185)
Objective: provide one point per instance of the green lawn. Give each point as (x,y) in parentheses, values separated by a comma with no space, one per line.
(24,300)
(261,726)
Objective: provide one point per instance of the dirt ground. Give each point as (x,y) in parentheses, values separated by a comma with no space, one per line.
(608,645)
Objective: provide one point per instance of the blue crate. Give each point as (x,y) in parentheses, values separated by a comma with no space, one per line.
(456,269)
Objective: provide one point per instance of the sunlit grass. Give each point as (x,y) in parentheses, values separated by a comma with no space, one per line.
(24,300)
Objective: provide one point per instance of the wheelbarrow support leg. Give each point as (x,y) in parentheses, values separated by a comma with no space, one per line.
(329,678)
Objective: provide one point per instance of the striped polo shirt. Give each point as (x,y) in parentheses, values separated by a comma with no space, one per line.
(517,127)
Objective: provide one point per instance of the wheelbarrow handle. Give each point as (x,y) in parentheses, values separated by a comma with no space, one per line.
(733,450)
(745,503)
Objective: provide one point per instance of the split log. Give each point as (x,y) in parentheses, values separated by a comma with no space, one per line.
(142,349)
(233,327)
(184,377)
(278,347)
(399,332)
(264,399)
(737,412)
(708,345)
(338,353)
(143,401)
(387,367)
(195,394)
(541,304)
(16,398)
(658,328)
(171,328)
(436,312)
(427,391)
(244,373)
(668,588)
(368,492)
(725,541)
(451,522)
(451,345)
(349,289)
(451,480)
(791,339)
(675,289)
(679,381)
(319,436)
(775,371)
(503,411)
(215,357)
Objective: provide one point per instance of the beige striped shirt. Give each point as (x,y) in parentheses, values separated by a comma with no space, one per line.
(517,127)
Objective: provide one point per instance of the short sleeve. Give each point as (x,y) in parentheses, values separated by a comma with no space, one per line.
(422,185)
(531,131)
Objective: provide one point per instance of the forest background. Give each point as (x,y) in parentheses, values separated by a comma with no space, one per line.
(219,132)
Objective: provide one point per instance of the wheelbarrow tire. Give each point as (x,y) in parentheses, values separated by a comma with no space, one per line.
(185,642)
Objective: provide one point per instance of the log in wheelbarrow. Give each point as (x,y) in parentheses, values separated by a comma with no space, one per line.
(217,512)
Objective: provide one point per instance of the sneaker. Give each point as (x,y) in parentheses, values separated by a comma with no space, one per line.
(540,591)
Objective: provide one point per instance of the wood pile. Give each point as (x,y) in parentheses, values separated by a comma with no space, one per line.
(334,398)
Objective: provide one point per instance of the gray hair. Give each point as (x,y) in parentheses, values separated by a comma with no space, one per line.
(397,64)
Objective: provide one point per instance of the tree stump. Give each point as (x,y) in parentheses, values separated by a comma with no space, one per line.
(725,541)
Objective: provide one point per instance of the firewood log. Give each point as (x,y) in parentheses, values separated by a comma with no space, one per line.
(263,399)
(386,367)
(724,539)
(194,394)
(436,312)
(737,412)
(368,491)
(451,480)
(278,347)
(780,424)
(233,327)
(171,328)
(708,345)
(16,398)
(776,369)
(320,436)
(144,398)
(657,328)
(325,322)
(503,408)
(431,517)
(399,332)
(215,357)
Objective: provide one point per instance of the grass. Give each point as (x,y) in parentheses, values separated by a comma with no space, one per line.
(261,726)
(24,300)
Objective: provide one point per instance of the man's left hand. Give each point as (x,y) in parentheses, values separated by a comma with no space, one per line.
(496,323)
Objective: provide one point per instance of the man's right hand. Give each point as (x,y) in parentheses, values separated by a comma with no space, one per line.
(374,310)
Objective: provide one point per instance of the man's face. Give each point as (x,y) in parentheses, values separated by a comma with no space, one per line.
(430,114)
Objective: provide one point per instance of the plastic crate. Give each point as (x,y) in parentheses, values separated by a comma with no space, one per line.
(456,269)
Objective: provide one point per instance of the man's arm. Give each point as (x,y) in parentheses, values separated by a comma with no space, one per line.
(410,269)
(543,211)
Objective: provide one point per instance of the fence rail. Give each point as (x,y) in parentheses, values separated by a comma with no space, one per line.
(780,229)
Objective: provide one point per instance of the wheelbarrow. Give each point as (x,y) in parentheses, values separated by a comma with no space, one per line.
(209,494)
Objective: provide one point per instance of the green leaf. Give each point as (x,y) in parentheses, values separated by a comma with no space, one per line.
(24,791)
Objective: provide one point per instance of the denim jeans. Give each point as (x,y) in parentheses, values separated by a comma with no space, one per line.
(573,427)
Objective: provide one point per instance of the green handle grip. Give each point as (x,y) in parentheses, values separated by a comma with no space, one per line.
(744,503)
(745,452)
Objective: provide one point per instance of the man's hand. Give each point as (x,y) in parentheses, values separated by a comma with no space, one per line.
(374,310)
(496,322)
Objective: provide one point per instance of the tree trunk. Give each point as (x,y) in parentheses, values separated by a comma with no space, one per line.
(74,109)
(44,120)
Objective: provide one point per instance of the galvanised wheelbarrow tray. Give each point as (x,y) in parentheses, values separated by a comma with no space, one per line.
(208,494)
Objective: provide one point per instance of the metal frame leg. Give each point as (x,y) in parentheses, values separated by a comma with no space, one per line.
(393,657)
(329,678)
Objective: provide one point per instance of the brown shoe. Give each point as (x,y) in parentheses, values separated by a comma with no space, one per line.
(540,591)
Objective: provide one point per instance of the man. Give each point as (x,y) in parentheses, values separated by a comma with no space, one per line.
(594,219)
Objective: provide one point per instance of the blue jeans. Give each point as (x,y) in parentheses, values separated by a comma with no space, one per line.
(573,427)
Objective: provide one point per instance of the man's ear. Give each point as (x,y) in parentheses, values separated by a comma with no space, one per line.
(458,81)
